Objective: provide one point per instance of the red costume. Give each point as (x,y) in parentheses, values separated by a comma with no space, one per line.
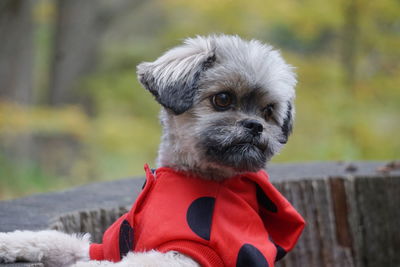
(241,221)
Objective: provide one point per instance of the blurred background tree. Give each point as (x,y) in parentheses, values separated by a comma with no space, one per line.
(72,111)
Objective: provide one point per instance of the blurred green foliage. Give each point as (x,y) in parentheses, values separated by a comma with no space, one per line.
(341,115)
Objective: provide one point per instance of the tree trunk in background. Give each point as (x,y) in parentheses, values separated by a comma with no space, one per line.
(16,68)
(80,26)
(76,44)
(350,42)
(16,50)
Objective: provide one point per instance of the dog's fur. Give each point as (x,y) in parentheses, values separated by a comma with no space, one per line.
(198,135)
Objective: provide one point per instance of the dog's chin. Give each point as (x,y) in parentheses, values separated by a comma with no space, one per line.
(240,157)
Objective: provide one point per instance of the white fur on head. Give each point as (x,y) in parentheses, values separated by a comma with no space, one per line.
(257,63)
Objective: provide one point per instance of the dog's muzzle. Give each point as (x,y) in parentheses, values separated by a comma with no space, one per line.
(243,153)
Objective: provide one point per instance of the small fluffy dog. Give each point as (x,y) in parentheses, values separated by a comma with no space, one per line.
(227,108)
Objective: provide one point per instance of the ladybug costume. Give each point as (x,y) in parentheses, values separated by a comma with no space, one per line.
(242,221)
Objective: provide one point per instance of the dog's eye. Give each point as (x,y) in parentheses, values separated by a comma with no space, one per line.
(269,111)
(222,101)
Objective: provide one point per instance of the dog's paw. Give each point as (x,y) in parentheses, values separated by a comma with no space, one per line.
(7,255)
(13,248)
(52,248)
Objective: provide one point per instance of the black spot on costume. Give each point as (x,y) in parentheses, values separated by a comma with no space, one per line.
(199,216)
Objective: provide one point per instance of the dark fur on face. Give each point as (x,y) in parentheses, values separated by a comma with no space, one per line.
(238,149)
(287,126)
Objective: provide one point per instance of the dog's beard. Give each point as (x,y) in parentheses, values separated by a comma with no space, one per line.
(235,149)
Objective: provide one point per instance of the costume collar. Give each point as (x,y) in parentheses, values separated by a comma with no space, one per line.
(255,176)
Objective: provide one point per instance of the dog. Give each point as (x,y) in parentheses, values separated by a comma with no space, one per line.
(227,108)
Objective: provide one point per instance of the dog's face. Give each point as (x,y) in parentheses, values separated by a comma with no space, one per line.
(228,104)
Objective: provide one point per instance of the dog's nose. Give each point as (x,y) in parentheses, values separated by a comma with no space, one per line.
(254,126)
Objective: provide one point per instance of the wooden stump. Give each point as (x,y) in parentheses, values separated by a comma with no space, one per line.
(351,221)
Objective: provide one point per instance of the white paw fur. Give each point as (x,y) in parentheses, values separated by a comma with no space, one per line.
(50,247)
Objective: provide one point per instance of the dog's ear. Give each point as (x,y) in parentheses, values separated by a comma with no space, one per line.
(173,78)
(287,125)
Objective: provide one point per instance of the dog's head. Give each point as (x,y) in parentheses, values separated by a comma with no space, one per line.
(227,104)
